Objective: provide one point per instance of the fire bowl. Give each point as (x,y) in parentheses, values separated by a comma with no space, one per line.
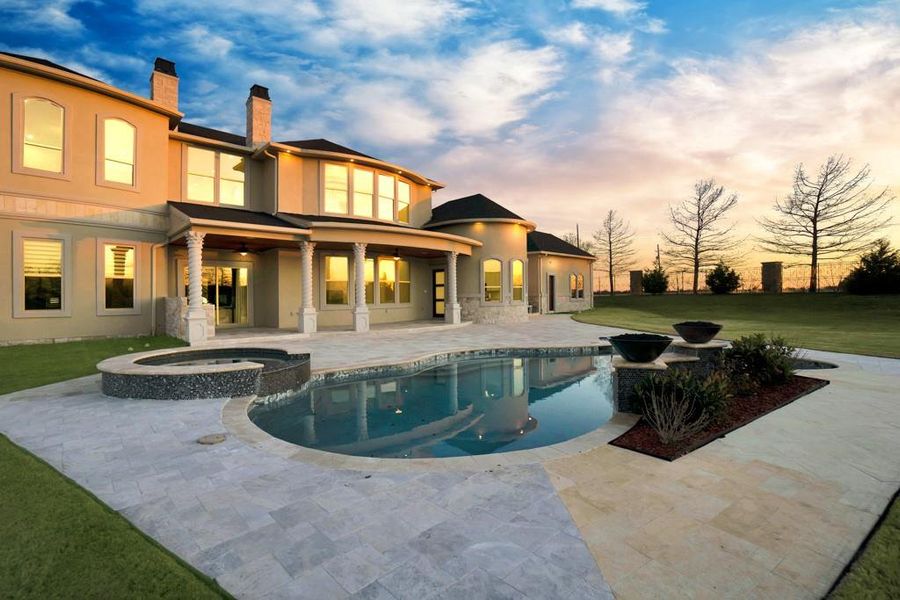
(640,347)
(697,332)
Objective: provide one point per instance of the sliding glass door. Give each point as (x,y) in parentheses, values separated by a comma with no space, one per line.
(226,288)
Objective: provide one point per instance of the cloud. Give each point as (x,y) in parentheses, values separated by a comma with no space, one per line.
(613,47)
(377,20)
(617,7)
(572,34)
(385,114)
(205,43)
(47,14)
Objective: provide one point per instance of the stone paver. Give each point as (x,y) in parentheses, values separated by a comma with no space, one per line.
(773,510)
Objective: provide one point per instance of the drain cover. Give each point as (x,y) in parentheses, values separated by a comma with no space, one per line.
(213,438)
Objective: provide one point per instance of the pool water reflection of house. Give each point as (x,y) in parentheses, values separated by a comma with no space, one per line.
(477,406)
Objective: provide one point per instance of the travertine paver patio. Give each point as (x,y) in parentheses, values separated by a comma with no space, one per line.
(773,510)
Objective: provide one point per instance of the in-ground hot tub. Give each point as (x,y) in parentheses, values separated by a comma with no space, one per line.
(204,373)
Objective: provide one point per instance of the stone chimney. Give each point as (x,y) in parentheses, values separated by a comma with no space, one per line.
(164,83)
(259,116)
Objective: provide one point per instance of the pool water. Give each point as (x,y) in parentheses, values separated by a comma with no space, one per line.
(464,408)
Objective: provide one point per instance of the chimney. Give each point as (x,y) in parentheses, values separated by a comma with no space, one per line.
(259,116)
(164,83)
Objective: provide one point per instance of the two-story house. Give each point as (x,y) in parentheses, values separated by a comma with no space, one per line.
(122,218)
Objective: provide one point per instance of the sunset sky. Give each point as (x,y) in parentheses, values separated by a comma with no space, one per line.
(559,110)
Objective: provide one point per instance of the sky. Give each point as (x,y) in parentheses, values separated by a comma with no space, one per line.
(559,110)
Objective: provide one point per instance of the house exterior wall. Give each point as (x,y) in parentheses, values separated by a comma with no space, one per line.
(502,241)
(541,266)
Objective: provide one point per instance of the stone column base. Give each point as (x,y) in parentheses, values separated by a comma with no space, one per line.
(626,375)
(360,319)
(308,320)
(196,327)
(452,314)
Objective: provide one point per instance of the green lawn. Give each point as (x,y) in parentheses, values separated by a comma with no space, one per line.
(837,322)
(56,539)
(23,367)
(61,542)
(876,574)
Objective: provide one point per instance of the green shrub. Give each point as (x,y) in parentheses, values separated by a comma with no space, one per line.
(709,395)
(655,281)
(723,279)
(878,272)
(754,360)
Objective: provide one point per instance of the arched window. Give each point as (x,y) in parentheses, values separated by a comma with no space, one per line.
(573,286)
(580,285)
(493,280)
(43,126)
(518,280)
(118,151)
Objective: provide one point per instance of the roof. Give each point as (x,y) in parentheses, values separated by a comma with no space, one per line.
(47,63)
(539,241)
(232,215)
(325,146)
(477,206)
(212,134)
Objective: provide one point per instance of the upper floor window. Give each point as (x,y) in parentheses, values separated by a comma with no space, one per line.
(363,192)
(336,189)
(403,202)
(386,197)
(215,176)
(518,281)
(43,127)
(493,280)
(118,151)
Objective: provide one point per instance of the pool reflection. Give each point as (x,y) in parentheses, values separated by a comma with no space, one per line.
(469,407)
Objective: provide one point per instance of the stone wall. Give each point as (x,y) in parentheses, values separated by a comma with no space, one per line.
(474,310)
(176,311)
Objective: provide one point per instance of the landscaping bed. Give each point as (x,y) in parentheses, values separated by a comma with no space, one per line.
(740,411)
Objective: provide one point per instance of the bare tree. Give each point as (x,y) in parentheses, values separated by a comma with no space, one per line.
(575,240)
(613,242)
(700,238)
(828,215)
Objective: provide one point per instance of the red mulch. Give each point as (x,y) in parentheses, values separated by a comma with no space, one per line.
(741,410)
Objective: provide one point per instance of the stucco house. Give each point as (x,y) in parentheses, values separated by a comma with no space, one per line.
(122,218)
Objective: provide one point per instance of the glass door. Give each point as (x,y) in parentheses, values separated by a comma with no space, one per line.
(226,288)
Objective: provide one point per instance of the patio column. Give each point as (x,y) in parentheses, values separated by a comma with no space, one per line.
(196,326)
(452,311)
(308,320)
(360,310)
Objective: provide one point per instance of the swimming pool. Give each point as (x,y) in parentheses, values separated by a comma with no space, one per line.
(462,408)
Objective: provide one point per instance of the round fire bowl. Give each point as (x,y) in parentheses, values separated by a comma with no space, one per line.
(697,332)
(640,347)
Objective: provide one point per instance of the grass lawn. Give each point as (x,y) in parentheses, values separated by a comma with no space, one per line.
(876,573)
(61,542)
(23,367)
(837,322)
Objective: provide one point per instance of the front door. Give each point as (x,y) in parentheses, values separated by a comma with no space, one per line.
(227,289)
(437,292)
(551,290)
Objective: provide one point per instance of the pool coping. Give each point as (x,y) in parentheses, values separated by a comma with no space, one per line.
(236,419)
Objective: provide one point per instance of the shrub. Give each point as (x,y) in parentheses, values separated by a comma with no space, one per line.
(655,281)
(878,272)
(723,279)
(678,404)
(753,361)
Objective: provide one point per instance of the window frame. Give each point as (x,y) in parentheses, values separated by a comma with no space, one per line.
(100,168)
(512,283)
(18,139)
(102,311)
(377,173)
(483,282)
(18,286)
(323,166)
(352,193)
(579,285)
(323,282)
(573,286)
(216,176)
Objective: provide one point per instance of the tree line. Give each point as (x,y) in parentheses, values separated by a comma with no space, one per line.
(829,214)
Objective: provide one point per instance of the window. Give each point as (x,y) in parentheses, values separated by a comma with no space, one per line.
(337,281)
(493,280)
(518,281)
(581,286)
(231,179)
(42,268)
(386,197)
(207,167)
(403,281)
(387,278)
(573,286)
(403,202)
(363,192)
(118,145)
(336,189)
(370,280)
(201,175)
(118,276)
(43,126)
